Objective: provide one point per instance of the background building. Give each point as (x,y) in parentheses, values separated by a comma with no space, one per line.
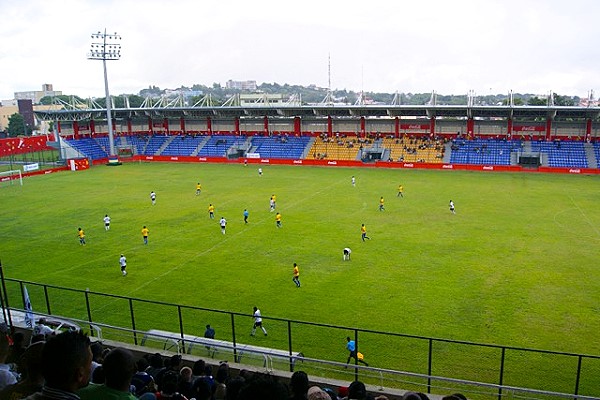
(36,95)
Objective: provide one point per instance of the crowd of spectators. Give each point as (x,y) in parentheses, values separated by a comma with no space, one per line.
(69,366)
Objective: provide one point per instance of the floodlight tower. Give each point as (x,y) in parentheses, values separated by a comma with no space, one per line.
(106,46)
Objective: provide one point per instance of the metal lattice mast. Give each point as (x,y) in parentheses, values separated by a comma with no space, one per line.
(108,48)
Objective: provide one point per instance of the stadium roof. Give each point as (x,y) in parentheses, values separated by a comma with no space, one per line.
(321,111)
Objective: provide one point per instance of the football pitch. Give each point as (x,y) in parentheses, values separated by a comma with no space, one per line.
(517,265)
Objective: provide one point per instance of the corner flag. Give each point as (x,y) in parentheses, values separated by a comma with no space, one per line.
(28,308)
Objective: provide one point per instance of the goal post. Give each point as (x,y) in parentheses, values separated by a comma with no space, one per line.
(10,177)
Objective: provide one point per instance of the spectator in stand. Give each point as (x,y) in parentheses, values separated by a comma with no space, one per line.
(41,328)
(167,387)
(234,386)
(143,381)
(299,385)
(156,365)
(31,371)
(261,386)
(316,393)
(221,378)
(67,362)
(7,377)
(97,349)
(414,396)
(455,396)
(119,367)
(357,391)
(201,390)
(185,384)
(172,365)
(16,349)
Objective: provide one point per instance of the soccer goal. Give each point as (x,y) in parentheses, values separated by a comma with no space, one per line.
(8,178)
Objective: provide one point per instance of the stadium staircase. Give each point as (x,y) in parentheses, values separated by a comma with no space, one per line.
(200,145)
(591,155)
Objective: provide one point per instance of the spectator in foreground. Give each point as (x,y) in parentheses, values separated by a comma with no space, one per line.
(31,369)
(299,385)
(119,367)
(7,377)
(143,382)
(67,361)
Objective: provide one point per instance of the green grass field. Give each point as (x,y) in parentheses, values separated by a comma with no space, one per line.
(517,265)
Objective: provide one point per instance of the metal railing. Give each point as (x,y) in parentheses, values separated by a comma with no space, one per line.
(433,362)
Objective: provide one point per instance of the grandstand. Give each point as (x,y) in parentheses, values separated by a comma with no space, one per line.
(430,136)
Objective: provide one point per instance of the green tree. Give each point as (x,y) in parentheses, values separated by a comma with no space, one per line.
(17,126)
(47,100)
(536,101)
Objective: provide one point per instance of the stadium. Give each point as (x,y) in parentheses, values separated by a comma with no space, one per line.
(499,299)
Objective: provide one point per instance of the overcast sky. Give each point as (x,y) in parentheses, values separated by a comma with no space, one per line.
(488,46)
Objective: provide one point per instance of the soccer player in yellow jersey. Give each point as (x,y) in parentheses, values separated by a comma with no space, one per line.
(145,232)
(363,233)
(198,188)
(381,208)
(81,236)
(211,211)
(278,220)
(400,190)
(296,277)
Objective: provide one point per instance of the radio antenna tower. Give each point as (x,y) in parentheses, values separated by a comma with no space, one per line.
(328,100)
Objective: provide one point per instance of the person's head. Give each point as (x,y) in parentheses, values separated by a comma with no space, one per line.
(455,396)
(42,321)
(142,364)
(175,362)
(168,383)
(144,226)
(156,361)
(122,255)
(186,374)
(316,393)
(97,349)
(67,360)
(347,338)
(299,383)
(18,339)
(357,390)
(255,308)
(295,265)
(119,367)
(198,367)
(31,362)
(222,373)
(414,396)
(207,326)
(202,390)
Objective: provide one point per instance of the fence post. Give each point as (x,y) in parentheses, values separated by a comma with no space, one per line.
(235,357)
(578,375)
(501,380)
(429,365)
(89,311)
(181,328)
(47,300)
(5,296)
(2,299)
(132,321)
(356,354)
(289,324)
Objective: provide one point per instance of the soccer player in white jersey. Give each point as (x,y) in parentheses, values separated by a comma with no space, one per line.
(106,222)
(257,322)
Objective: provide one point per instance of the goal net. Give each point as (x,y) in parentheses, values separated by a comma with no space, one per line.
(12,177)
(125,151)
